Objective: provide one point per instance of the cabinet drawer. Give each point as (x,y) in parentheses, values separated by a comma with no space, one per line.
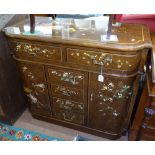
(98,58)
(68,105)
(68,93)
(30,50)
(67,77)
(69,116)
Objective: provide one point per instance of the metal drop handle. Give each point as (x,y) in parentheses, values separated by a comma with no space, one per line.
(107,59)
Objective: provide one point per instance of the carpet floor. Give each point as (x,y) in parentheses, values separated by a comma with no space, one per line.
(12,133)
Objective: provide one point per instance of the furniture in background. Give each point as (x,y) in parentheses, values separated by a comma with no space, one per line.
(147,19)
(12,102)
(143,127)
(74,78)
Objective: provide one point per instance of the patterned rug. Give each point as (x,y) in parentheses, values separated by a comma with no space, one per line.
(12,133)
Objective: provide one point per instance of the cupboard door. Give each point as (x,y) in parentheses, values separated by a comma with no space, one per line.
(35,87)
(109,102)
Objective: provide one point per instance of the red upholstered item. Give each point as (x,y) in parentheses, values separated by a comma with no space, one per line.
(148,19)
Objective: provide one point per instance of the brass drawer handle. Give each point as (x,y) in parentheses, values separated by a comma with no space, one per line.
(105,61)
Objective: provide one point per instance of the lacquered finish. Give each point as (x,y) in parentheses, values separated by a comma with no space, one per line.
(91,33)
(87,83)
(35,86)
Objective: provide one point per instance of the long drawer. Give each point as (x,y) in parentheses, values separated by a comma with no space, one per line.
(95,58)
(32,50)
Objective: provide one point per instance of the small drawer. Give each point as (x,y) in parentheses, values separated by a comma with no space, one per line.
(67,77)
(99,58)
(68,105)
(23,50)
(33,74)
(68,93)
(69,116)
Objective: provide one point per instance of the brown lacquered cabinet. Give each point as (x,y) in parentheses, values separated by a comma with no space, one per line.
(80,81)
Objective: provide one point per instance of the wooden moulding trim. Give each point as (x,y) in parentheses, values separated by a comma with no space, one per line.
(104,134)
(95,44)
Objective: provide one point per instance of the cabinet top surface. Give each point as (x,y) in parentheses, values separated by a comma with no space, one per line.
(84,32)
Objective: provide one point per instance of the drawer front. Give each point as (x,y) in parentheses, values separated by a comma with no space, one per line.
(109,61)
(109,102)
(68,93)
(68,105)
(69,116)
(67,77)
(23,50)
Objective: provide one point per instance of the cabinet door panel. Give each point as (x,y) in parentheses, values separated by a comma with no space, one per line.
(35,87)
(109,102)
